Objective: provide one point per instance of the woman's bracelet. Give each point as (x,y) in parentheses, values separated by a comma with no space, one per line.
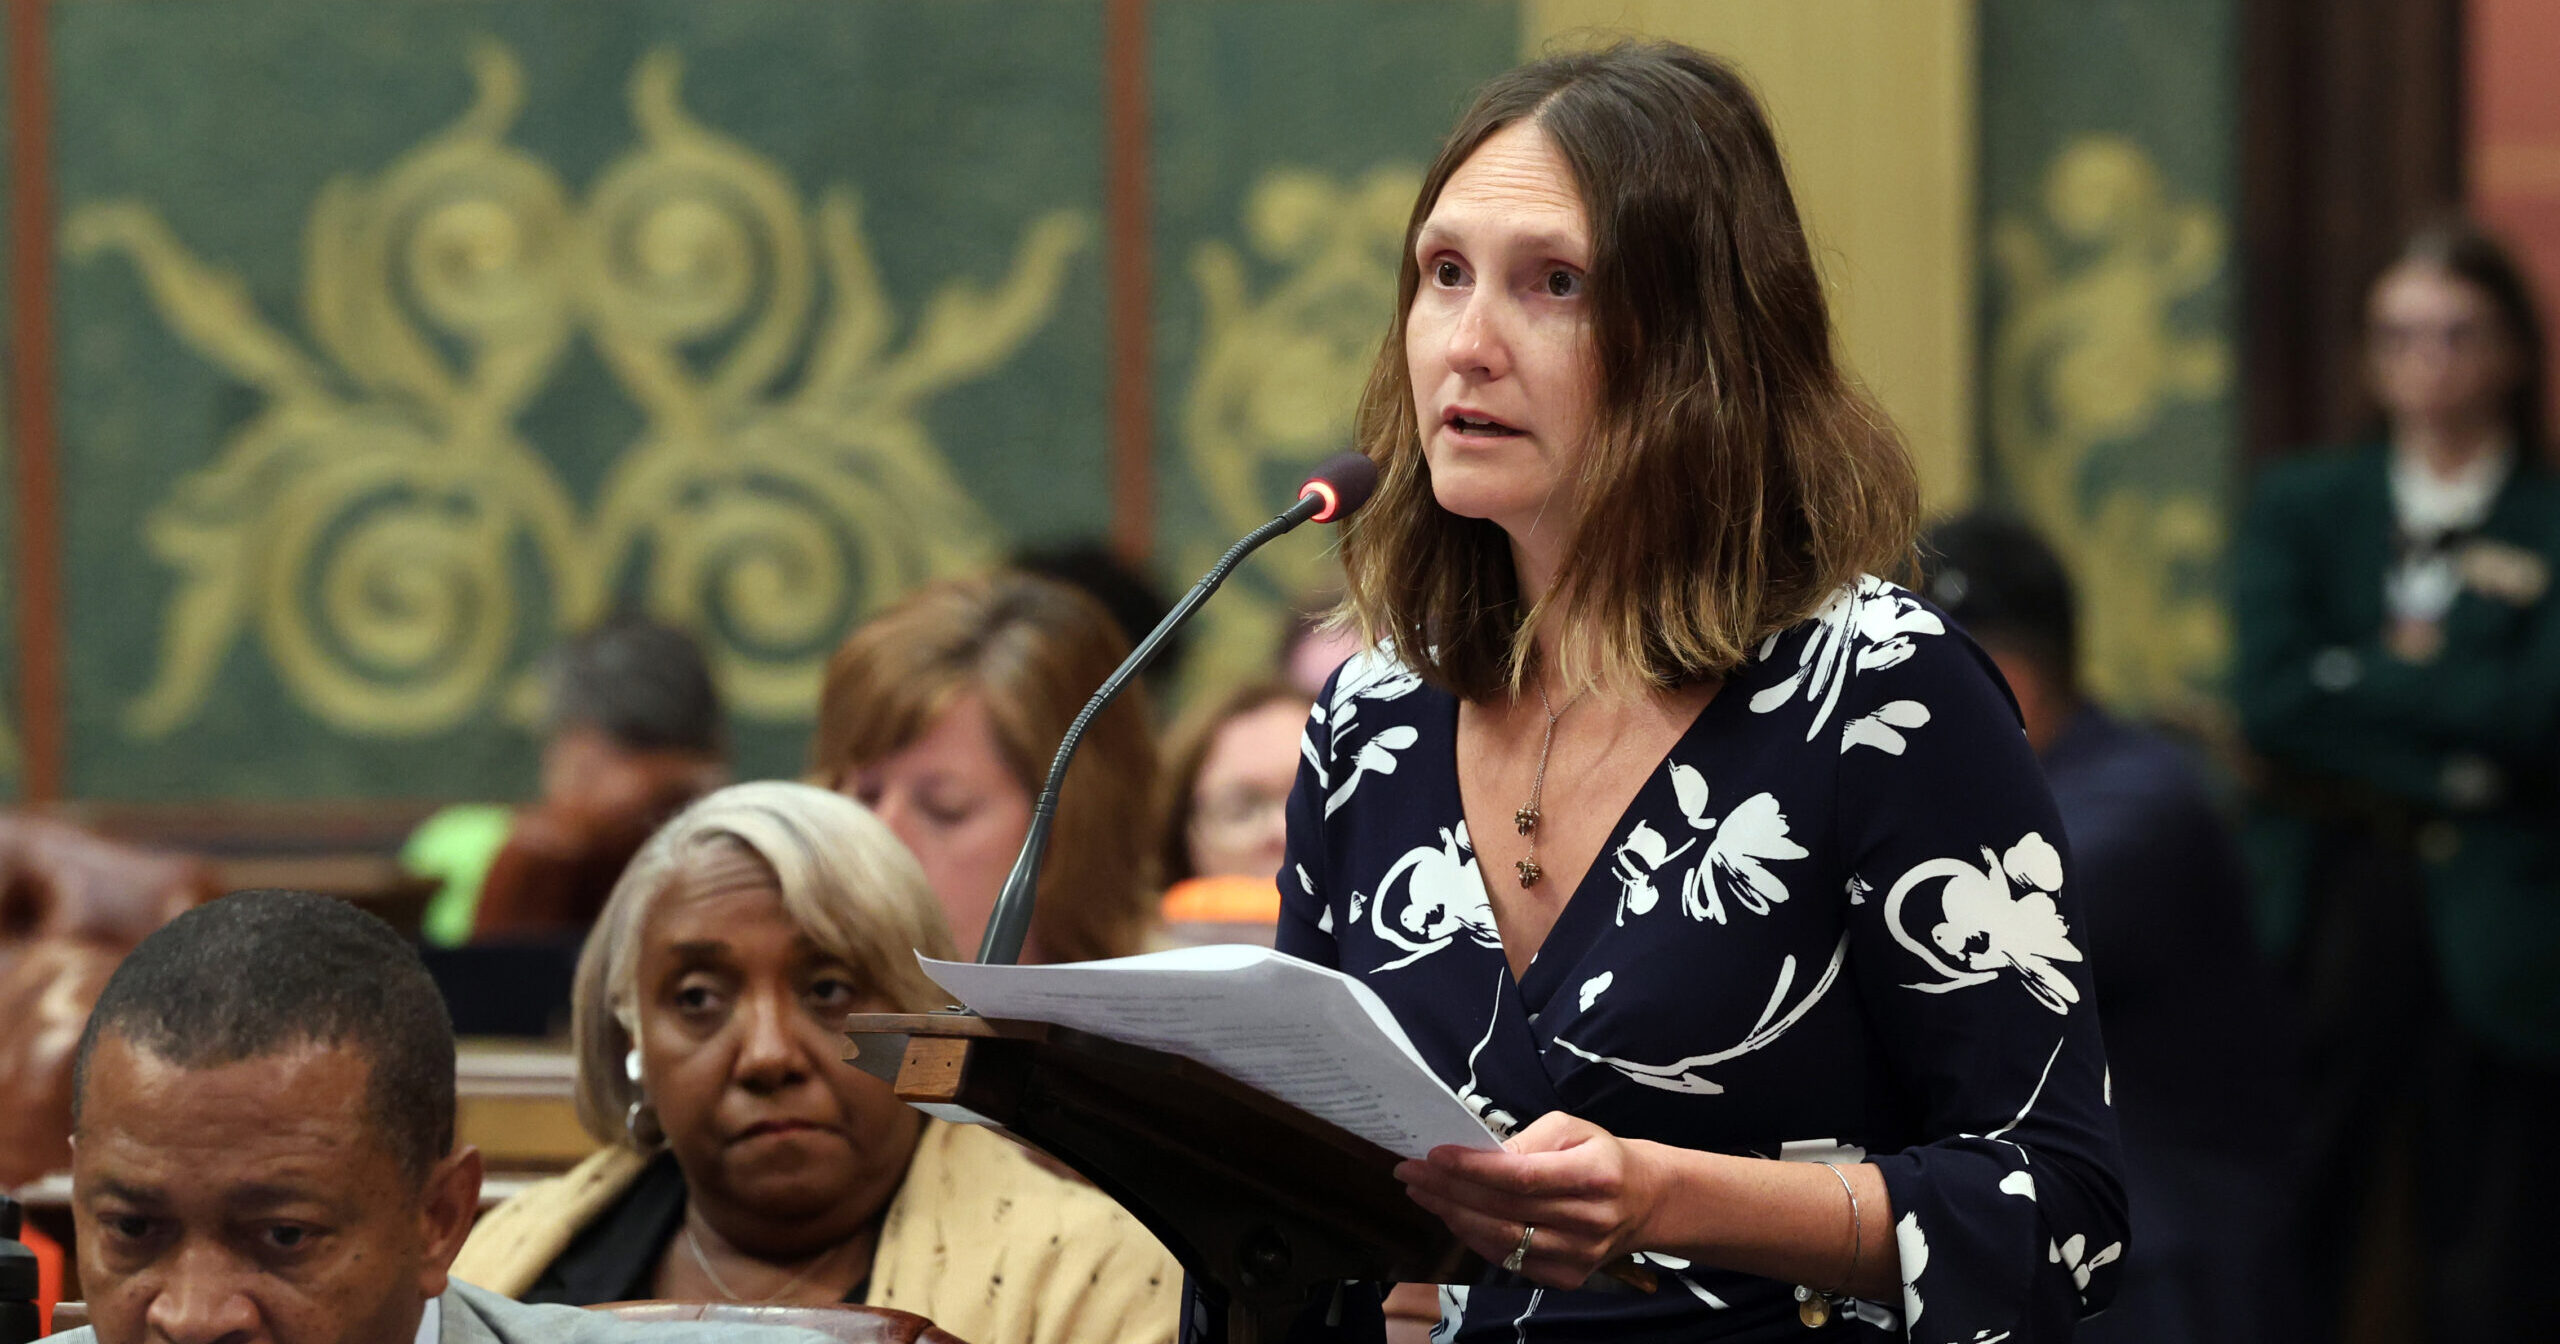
(1815,1307)
(1857,1232)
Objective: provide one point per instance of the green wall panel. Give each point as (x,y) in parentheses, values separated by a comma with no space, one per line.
(399,338)
(1289,141)
(2109,197)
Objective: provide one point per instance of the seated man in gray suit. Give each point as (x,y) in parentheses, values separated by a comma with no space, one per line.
(263,1147)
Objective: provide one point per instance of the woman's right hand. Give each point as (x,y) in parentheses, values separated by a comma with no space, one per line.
(1589,1195)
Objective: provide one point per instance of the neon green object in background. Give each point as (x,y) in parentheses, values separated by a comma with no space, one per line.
(455,845)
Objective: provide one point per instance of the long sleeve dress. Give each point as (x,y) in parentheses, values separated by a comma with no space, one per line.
(1836,923)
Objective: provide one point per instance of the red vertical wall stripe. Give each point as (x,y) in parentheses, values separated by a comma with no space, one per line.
(37,581)
(1128,212)
(2513,137)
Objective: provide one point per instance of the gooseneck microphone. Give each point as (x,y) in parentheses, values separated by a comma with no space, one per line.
(1340,484)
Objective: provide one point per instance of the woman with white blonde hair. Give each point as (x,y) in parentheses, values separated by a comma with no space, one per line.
(744,1160)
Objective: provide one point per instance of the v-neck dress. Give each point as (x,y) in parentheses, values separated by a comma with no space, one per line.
(1835,923)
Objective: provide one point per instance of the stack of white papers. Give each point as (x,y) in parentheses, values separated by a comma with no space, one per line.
(1314,1038)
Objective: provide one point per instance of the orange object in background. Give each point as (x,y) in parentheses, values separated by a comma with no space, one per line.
(48,1274)
(1223,900)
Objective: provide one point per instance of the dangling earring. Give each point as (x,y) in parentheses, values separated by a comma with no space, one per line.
(641,1124)
(637,1114)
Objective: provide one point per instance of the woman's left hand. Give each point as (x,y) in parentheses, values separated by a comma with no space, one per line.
(1589,1194)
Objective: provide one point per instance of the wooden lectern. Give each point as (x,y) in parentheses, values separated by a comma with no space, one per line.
(1261,1201)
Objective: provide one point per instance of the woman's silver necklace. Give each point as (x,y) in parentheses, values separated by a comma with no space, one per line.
(703,1262)
(1527,818)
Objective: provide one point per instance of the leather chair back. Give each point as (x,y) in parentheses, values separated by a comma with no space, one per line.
(848,1324)
(71,906)
(58,881)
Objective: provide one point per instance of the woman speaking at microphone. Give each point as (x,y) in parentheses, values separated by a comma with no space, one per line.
(1711,869)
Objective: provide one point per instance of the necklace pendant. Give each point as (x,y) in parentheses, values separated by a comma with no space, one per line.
(1530,872)
(1812,1309)
(1526,819)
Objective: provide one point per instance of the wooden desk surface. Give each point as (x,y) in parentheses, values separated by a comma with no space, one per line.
(514,1101)
(489,1066)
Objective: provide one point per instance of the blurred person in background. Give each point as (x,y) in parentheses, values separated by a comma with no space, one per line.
(1316,645)
(2399,670)
(1230,765)
(942,713)
(2202,1066)
(746,1161)
(1135,602)
(633,731)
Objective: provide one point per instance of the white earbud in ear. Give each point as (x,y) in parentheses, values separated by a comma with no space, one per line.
(631,1065)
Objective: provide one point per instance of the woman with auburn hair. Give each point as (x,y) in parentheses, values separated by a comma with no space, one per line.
(942,713)
(744,1160)
(1713,870)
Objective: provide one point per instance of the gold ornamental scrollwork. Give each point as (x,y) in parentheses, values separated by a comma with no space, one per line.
(1279,375)
(374,520)
(2087,355)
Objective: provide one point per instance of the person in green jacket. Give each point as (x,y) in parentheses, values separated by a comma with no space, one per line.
(2399,674)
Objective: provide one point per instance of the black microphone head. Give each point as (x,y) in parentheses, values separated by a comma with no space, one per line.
(1344,480)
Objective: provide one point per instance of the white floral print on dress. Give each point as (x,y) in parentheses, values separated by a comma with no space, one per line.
(1596,986)
(1377,757)
(2001,916)
(1432,897)
(1736,862)
(1914,1246)
(2067,1254)
(1883,729)
(1682,1075)
(1371,674)
(1502,1122)
(1680,1270)
(1867,627)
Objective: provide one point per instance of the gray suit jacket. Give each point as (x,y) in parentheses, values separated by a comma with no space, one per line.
(478,1316)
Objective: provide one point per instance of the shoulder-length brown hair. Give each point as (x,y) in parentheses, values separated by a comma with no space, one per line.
(1034,650)
(1735,477)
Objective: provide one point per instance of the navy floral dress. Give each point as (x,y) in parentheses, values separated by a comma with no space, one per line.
(1836,923)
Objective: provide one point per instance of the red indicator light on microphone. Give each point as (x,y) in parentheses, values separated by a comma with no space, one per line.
(1343,481)
(1332,500)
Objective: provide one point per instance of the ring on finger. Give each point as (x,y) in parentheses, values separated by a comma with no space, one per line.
(1520,1253)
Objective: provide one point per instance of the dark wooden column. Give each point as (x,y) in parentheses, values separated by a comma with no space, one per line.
(2351,124)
